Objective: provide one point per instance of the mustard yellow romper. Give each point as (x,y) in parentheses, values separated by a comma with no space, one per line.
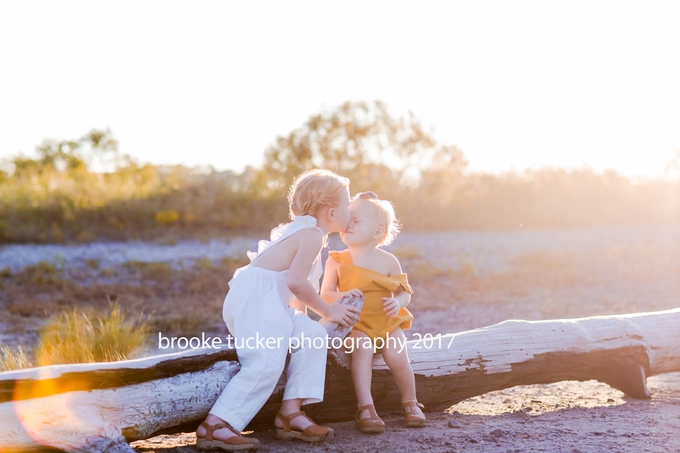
(374,321)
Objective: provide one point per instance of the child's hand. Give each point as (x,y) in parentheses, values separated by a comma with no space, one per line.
(345,315)
(353,292)
(392,306)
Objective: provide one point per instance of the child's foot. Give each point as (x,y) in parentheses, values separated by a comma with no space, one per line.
(216,433)
(299,426)
(367,420)
(413,415)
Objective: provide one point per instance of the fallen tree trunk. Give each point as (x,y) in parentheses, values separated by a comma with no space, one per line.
(102,406)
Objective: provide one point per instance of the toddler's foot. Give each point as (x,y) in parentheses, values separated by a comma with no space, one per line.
(216,433)
(413,415)
(367,420)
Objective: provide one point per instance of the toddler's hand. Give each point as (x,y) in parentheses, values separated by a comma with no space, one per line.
(392,306)
(353,292)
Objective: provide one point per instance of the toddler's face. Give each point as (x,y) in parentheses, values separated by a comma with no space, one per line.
(365,225)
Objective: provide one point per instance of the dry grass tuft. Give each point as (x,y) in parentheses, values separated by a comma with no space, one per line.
(14,358)
(80,336)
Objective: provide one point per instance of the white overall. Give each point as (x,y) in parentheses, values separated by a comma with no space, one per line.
(256,307)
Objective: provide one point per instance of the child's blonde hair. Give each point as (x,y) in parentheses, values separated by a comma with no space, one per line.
(386,216)
(314,189)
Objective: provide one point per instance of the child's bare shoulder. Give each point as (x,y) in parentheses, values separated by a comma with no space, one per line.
(309,234)
(390,262)
(386,256)
(308,238)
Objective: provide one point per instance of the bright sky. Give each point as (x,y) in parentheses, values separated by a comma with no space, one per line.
(521,84)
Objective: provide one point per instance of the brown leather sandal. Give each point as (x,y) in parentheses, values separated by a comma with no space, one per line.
(372,424)
(411,418)
(235,443)
(313,433)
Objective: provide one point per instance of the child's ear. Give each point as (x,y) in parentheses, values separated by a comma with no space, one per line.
(330,214)
(379,233)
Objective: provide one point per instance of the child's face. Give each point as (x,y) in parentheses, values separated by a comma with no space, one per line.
(341,211)
(365,226)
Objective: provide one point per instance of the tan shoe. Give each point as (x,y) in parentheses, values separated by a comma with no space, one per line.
(234,443)
(371,424)
(411,417)
(313,433)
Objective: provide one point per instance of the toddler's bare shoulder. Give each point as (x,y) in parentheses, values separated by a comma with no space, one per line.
(390,261)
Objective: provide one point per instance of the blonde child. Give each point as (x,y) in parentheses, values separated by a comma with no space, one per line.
(283,275)
(377,273)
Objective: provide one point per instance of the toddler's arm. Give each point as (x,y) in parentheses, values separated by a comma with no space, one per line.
(393,304)
(401,297)
(329,285)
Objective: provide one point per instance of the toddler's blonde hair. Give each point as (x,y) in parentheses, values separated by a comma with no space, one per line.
(315,189)
(386,216)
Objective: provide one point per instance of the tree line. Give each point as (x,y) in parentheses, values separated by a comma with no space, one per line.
(85,189)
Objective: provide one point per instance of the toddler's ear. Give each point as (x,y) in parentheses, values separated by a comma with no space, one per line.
(379,233)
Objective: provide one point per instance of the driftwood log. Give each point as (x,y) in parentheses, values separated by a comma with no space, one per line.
(103,406)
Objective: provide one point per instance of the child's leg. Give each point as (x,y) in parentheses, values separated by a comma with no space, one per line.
(252,312)
(362,369)
(306,371)
(400,366)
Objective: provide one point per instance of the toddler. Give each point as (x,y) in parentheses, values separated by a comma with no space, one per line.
(364,266)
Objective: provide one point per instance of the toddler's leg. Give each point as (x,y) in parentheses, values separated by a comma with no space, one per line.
(367,419)
(397,360)
(362,369)
(400,365)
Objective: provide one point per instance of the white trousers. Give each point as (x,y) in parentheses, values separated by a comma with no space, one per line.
(258,317)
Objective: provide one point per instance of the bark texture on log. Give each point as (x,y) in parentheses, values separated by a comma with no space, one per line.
(98,407)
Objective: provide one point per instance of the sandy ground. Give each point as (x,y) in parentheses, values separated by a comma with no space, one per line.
(566,417)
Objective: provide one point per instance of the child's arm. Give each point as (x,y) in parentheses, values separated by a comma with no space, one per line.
(329,285)
(401,297)
(395,303)
(309,246)
(299,306)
